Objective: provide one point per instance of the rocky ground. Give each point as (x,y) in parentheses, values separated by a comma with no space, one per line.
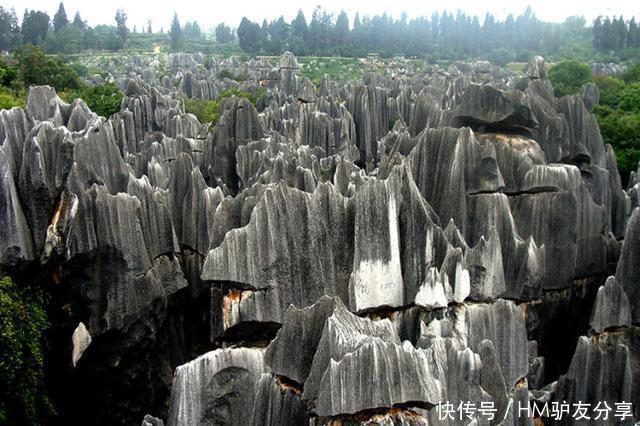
(363,253)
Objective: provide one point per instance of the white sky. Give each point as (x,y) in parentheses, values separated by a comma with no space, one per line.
(210,12)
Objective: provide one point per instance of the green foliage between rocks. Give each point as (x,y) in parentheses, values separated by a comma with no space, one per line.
(23,319)
(103,99)
(568,77)
(207,111)
(619,117)
(35,68)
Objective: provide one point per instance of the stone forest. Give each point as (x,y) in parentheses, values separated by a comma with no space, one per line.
(444,246)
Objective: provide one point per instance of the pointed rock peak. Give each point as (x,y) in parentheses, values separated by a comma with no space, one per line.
(288,61)
(611,308)
(38,102)
(454,236)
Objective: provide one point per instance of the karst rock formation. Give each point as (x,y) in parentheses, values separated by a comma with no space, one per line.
(356,253)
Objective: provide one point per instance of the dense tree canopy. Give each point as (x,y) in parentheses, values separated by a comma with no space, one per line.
(445,35)
(613,34)
(568,77)
(619,117)
(250,36)
(224,33)
(35,68)
(192,30)
(9,29)
(103,99)
(35,26)
(442,36)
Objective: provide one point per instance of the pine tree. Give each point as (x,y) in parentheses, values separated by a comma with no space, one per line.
(35,25)
(299,35)
(78,22)
(121,22)
(597,33)
(60,18)
(633,39)
(341,32)
(177,37)
(9,29)
(250,36)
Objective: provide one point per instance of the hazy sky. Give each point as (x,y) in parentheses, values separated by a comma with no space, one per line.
(209,13)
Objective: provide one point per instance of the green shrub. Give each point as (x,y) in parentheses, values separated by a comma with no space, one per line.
(8,99)
(80,69)
(204,110)
(629,98)
(610,89)
(619,118)
(103,99)
(8,74)
(35,68)
(621,129)
(632,74)
(501,56)
(23,398)
(567,77)
(228,74)
(209,110)
(325,174)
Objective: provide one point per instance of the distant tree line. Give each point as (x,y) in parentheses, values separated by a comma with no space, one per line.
(443,35)
(613,34)
(63,35)
(60,35)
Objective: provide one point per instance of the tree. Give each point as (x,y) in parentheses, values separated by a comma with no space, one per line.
(629,99)
(278,32)
(250,36)
(299,35)
(567,77)
(121,22)
(192,30)
(78,22)
(341,31)
(197,32)
(597,33)
(103,99)
(223,33)
(9,30)
(501,56)
(632,74)
(69,39)
(34,68)
(633,39)
(149,29)
(620,33)
(208,111)
(177,38)
(607,38)
(8,74)
(319,30)
(619,119)
(610,89)
(60,18)
(35,25)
